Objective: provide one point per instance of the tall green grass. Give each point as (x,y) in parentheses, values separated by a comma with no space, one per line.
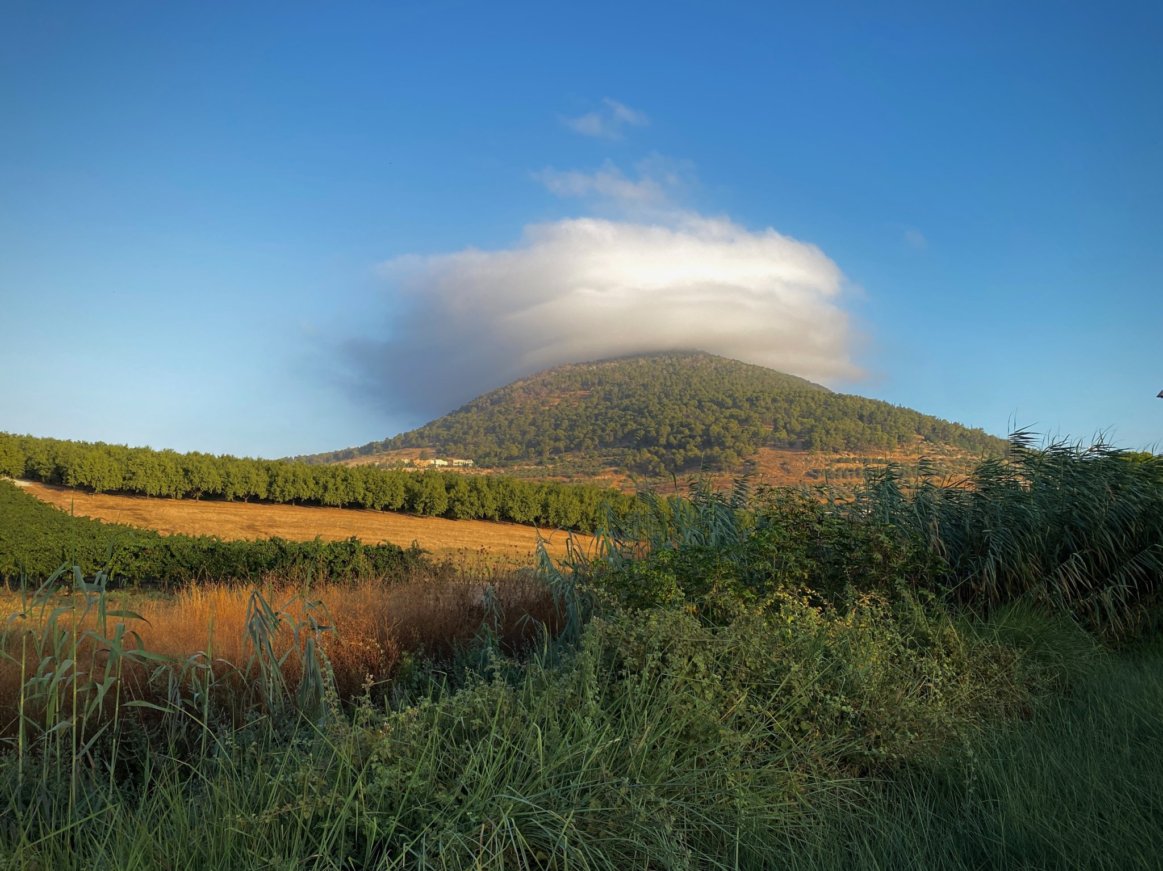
(1076,787)
(1077,529)
(570,770)
(658,742)
(915,679)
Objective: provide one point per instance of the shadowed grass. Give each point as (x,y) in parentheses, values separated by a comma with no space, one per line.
(1076,788)
(659,742)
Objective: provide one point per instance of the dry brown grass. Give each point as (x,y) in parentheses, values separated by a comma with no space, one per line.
(466,542)
(366,628)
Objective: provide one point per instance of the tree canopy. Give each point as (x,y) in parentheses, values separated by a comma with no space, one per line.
(670,412)
(100,467)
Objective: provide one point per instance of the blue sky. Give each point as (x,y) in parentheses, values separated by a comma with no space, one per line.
(270,229)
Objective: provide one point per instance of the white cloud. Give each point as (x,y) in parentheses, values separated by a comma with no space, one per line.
(652,195)
(607,122)
(607,183)
(587,288)
(624,114)
(916,239)
(591,124)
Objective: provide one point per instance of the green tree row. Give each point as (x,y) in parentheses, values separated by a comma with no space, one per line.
(100,467)
(37,539)
(671,412)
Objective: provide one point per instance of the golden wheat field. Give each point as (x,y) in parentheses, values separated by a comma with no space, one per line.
(466,542)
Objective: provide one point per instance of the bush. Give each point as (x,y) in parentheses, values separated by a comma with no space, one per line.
(1078,531)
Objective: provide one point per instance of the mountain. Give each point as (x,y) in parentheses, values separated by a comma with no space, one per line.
(667,413)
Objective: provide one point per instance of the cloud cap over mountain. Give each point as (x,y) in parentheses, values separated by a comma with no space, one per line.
(588,288)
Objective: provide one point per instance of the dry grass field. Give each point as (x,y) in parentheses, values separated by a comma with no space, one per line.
(465,542)
(367,628)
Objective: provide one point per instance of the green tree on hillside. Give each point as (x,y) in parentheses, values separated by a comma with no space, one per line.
(11,456)
(672,413)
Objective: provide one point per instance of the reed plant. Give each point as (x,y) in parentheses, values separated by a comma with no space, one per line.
(239,650)
(1078,528)
(807,738)
(659,741)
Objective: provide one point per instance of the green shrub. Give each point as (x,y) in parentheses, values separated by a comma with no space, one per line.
(1079,531)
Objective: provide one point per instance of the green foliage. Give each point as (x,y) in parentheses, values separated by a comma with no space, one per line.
(1075,787)
(661,743)
(11,459)
(718,559)
(116,468)
(35,539)
(771,680)
(668,413)
(658,742)
(1079,530)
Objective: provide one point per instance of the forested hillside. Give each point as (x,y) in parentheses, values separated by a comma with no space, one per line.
(670,412)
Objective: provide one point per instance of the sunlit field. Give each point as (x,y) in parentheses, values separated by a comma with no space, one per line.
(471,542)
(363,630)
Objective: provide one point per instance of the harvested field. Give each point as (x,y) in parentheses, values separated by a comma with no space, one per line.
(463,541)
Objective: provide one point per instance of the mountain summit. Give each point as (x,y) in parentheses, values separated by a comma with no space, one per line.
(667,413)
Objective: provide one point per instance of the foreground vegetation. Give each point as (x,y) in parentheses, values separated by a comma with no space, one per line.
(1076,787)
(924,677)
